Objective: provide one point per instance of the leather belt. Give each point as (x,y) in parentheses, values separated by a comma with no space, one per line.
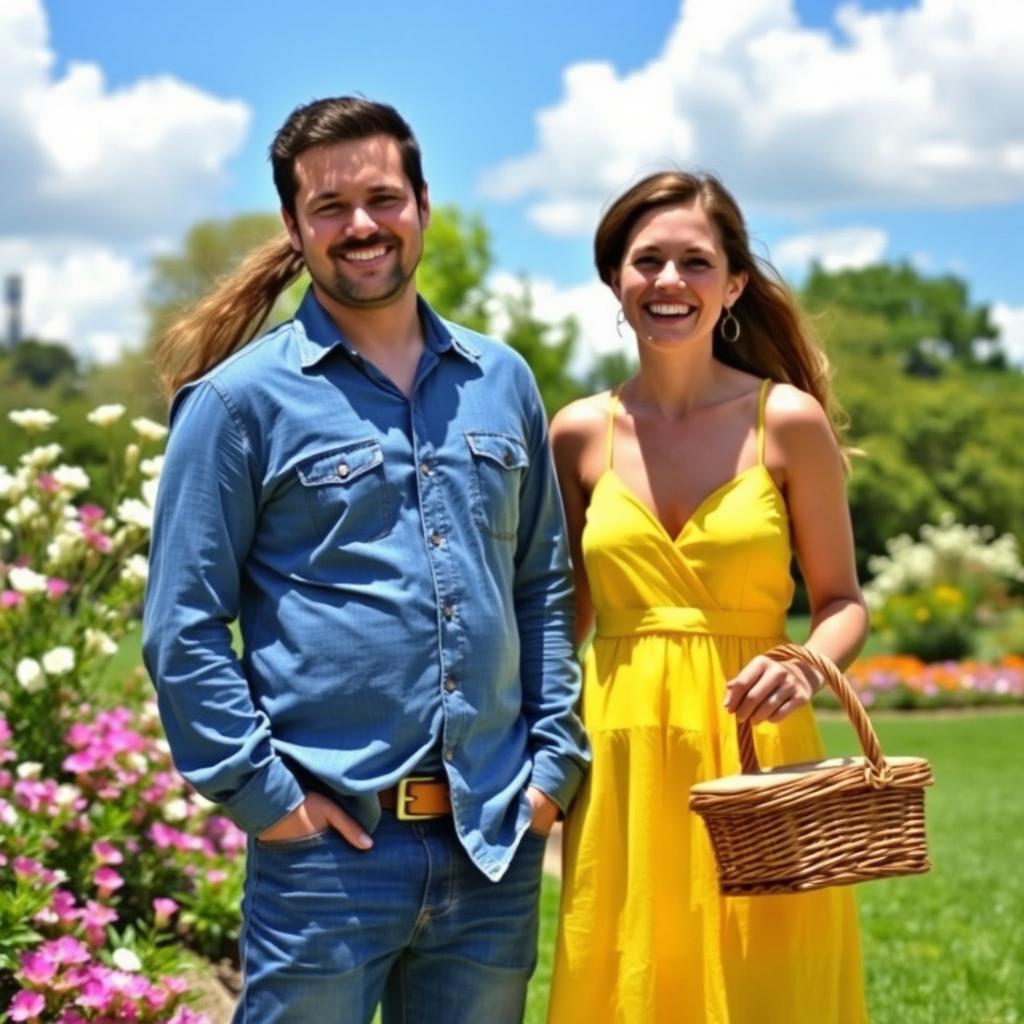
(417,797)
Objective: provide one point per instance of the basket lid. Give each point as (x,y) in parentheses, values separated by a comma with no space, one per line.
(789,773)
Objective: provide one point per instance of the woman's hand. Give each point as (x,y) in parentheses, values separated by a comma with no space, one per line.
(313,815)
(768,691)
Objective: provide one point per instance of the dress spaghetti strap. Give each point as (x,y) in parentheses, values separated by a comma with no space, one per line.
(765,385)
(613,405)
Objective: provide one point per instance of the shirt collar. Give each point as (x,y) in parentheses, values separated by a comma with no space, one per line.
(318,334)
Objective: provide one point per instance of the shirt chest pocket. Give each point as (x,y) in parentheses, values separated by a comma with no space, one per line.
(347,493)
(499,462)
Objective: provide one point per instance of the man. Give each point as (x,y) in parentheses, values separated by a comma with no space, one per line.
(368,490)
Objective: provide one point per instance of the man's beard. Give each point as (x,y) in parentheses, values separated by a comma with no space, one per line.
(350,291)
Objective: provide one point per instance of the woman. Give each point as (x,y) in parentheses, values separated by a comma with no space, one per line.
(687,490)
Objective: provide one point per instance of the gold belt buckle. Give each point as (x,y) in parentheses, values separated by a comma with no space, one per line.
(402,812)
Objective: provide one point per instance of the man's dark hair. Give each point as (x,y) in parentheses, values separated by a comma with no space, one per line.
(339,119)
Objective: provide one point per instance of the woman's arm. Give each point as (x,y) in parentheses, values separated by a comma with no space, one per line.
(802,451)
(572,434)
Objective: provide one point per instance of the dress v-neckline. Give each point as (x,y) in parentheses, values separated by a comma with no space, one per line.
(692,517)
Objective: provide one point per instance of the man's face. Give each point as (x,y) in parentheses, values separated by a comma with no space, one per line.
(358,223)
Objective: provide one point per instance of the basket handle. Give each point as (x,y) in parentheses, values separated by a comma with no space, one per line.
(879,772)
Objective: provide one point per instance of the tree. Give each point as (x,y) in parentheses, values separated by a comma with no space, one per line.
(928,319)
(548,348)
(41,363)
(456,261)
(211,249)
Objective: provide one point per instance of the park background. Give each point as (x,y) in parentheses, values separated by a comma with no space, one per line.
(878,152)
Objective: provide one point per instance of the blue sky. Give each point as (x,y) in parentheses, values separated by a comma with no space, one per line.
(880,130)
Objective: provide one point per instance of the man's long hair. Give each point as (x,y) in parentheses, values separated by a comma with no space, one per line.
(228,317)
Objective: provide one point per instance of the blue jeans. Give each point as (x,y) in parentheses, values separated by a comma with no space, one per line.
(330,932)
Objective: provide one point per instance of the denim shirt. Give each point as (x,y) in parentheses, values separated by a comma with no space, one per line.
(399,570)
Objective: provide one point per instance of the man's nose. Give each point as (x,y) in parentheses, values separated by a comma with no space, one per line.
(361,224)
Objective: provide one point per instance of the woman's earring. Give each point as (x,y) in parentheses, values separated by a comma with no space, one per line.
(730,327)
(620,319)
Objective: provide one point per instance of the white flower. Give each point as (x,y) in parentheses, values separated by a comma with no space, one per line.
(125,960)
(25,581)
(66,795)
(135,569)
(30,770)
(32,420)
(66,545)
(105,415)
(8,815)
(135,513)
(10,486)
(149,430)
(24,512)
(30,675)
(152,467)
(175,810)
(42,456)
(131,456)
(58,661)
(149,489)
(71,478)
(98,642)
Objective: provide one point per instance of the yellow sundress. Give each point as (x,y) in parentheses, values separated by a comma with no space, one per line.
(644,936)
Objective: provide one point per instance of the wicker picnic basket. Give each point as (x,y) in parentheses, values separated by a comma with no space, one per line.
(821,823)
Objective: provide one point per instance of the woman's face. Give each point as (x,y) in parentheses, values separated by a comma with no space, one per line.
(674,278)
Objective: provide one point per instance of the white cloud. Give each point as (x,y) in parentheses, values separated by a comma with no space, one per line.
(906,106)
(93,178)
(593,305)
(84,294)
(1010,321)
(83,160)
(840,249)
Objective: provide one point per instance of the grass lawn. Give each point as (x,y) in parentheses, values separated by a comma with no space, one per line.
(946,947)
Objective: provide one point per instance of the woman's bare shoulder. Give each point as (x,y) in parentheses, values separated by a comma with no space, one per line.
(582,420)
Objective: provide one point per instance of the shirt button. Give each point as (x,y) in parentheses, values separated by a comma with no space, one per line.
(449,755)
(450,685)
(425,469)
(508,459)
(448,611)
(436,538)
(343,471)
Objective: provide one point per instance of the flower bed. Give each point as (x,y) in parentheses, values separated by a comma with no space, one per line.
(902,682)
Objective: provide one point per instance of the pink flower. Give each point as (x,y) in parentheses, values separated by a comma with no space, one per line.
(26,1005)
(11,599)
(56,587)
(215,876)
(96,540)
(90,514)
(37,968)
(106,853)
(66,950)
(96,992)
(107,880)
(95,916)
(47,483)
(165,909)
